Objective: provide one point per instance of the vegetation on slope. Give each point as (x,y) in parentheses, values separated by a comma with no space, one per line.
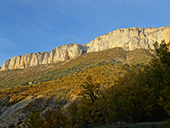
(42,73)
(103,74)
(140,95)
(107,70)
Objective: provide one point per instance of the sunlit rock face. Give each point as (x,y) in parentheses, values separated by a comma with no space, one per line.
(61,53)
(27,60)
(128,38)
(66,52)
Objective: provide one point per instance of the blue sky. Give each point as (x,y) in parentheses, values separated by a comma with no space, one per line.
(28,26)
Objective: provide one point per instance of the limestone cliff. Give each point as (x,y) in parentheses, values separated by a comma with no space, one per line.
(128,38)
(61,53)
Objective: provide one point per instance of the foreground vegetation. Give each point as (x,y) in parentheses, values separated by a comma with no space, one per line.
(139,95)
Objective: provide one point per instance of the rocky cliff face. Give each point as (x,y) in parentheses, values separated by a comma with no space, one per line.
(129,39)
(61,53)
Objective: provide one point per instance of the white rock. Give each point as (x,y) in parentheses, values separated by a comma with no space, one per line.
(128,38)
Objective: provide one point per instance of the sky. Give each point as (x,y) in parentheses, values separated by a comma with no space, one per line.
(29,26)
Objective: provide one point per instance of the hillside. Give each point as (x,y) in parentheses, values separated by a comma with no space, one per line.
(42,73)
(48,86)
(117,76)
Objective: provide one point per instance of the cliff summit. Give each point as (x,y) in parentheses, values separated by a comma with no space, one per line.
(128,39)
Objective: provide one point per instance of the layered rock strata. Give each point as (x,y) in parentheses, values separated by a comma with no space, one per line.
(128,38)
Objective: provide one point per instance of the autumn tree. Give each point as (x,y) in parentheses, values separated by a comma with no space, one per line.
(91,107)
(163,54)
(75,115)
(56,119)
(131,100)
(34,120)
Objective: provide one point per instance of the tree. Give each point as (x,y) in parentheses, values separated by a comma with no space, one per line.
(144,91)
(50,119)
(56,119)
(88,103)
(131,99)
(74,115)
(162,52)
(34,120)
(90,90)
(90,108)
(164,100)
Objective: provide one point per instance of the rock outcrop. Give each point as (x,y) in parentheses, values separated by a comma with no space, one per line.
(18,112)
(128,38)
(61,53)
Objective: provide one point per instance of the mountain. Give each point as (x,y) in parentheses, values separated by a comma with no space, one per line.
(42,73)
(58,54)
(47,80)
(128,39)
(46,87)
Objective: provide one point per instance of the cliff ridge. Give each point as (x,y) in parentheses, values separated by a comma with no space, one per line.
(128,39)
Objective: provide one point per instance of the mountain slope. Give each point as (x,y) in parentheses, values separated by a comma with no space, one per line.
(54,71)
(48,86)
(60,83)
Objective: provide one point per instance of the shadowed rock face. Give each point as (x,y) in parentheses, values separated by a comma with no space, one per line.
(128,38)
